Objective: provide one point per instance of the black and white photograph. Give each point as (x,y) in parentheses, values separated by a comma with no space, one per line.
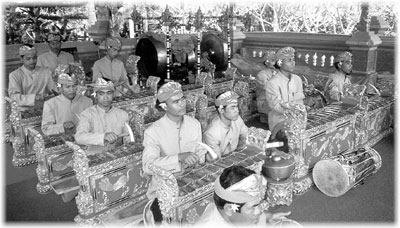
(211,113)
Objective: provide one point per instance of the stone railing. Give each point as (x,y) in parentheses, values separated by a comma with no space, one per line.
(315,50)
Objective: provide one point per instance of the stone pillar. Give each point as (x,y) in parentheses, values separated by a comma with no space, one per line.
(363,45)
(237,37)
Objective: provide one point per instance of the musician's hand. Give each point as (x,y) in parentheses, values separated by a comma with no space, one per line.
(110,137)
(126,139)
(135,88)
(189,158)
(276,217)
(209,158)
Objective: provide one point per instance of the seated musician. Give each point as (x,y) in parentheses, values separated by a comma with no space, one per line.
(102,124)
(283,87)
(262,78)
(238,195)
(52,58)
(110,68)
(334,86)
(30,84)
(227,131)
(64,109)
(171,142)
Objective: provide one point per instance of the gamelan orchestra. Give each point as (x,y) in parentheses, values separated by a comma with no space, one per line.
(167,136)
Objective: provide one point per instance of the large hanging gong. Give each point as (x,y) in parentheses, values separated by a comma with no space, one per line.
(217,50)
(153,57)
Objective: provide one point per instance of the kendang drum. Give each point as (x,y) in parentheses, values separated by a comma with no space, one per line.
(336,175)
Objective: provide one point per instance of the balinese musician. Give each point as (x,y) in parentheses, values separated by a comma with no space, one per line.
(227,131)
(63,110)
(336,82)
(262,79)
(102,124)
(110,68)
(29,83)
(238,195)
(52,58)
(283,87)
(171,142)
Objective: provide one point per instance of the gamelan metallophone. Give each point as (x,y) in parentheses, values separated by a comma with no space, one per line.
(143,101)
(184,199)
(54,170)
(374,122)
(325,132)
(333,130)
(111,180)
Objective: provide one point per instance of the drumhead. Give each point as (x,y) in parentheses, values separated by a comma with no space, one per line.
(331,178)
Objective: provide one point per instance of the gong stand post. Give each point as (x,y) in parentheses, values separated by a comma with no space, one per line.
(198,52)
(168,36)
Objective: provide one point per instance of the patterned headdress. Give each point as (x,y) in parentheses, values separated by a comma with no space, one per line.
(65,79)
(54,37)
(23,50)
(343,56)
(229,97)
(250,188)
(102,84)
(168,90)
(110,42)
(285,53)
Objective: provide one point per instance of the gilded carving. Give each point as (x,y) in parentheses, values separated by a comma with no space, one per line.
(21,119)
(108,185)
(280,193)
(258,137)
(192,216)
(167,191)
(152,82)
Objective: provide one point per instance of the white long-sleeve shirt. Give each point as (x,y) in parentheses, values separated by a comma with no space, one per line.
(164,140)
(95,122)
(51,60)
(59,110)
(110,69)
(334,86)
(25,84)
(225,139)
(281,89)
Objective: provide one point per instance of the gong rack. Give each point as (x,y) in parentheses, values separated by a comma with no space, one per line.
(170,25)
